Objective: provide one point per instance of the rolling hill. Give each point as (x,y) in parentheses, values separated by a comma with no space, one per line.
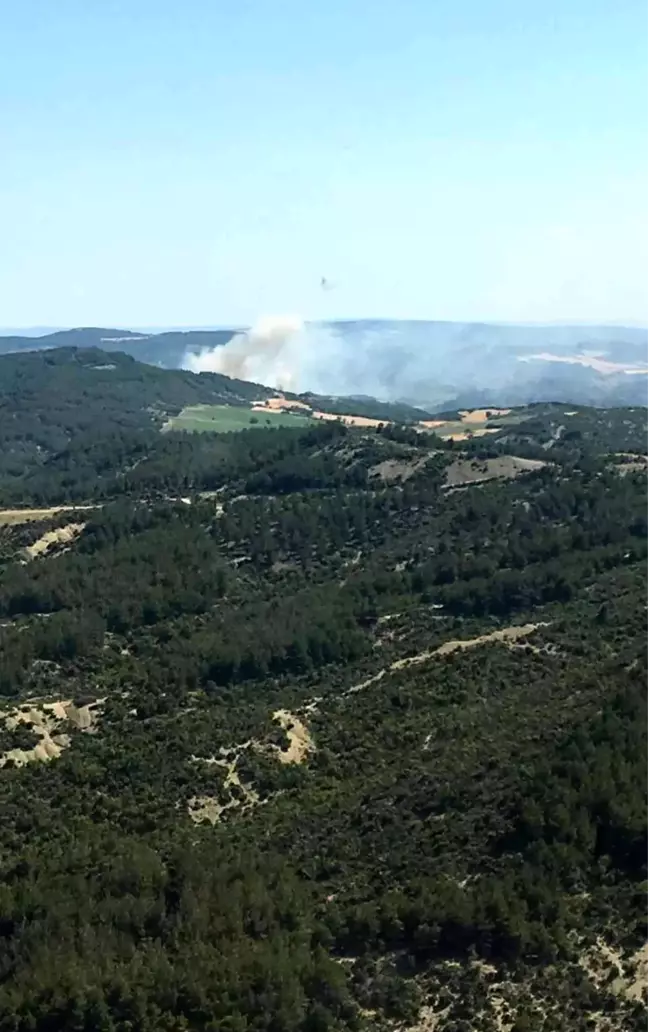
(431,365)
(330,726)
(165,349)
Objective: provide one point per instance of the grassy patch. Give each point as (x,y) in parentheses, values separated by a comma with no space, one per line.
(229,418)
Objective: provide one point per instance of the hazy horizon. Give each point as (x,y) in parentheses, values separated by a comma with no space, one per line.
(187,328)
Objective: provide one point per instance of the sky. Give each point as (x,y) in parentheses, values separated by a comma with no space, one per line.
(205,163)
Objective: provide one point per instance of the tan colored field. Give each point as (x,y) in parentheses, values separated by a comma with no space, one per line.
(601,365)
(350,420)
(9,517)
(471,419)
(279,405)
(288,404)
(59,536)
(482,415)
(471,423)
(481,432)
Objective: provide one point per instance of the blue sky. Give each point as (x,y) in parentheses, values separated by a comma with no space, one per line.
(206,162)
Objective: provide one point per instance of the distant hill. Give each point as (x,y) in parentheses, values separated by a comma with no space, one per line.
(430,365)
(166,349)
(51,398)
(443,364)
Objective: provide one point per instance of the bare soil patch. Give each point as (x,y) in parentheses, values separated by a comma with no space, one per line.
(280,404)
(58,536)
(300,741)
(428,1020)
(506,635)
(205,808)
(629,975)
(210,808)
(48,720)
(476,432)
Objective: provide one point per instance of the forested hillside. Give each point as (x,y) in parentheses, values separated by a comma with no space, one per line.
(166,349)
(319,728)
(59,407)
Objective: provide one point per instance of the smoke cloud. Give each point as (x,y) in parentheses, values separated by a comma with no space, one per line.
(287,353)
(267,353)
(422,362)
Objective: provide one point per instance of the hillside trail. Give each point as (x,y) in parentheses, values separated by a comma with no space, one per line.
(508,635)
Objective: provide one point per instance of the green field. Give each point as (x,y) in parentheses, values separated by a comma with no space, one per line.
(228,418)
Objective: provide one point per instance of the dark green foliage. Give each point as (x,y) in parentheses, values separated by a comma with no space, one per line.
(90,408)
(486,805)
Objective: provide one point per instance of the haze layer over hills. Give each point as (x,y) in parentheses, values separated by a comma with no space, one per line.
(430,364)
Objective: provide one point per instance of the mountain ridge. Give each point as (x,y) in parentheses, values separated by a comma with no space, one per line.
(427,364)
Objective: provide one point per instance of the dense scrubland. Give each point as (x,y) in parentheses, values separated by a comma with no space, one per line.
(317,728)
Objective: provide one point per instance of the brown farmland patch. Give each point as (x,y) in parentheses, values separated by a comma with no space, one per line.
(482,415)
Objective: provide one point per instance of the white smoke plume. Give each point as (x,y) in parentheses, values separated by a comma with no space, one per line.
(268,353)
(289,354)
(426,363)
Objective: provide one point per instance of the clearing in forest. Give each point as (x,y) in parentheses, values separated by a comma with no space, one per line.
(482,415)
(470,423)
(230,418)
(350,420)
(630,462)
(280,405)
